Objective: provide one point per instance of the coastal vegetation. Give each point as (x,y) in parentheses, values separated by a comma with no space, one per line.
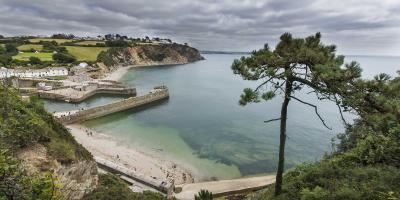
(25,124)
(204,195)
(58,41)
(365,163)
(85,53)
(294,64)
(30,47)
(112,187)
(64,49)
(108,57)
(26,55)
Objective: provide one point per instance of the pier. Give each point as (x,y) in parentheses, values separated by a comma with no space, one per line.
(75,116)
(80,93)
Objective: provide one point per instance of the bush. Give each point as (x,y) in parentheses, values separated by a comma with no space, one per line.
(112,187)
(315,194)
(63,58)
(108,57)
(204,195)
(116,43)
(5,59)
(11,48)
(35,60)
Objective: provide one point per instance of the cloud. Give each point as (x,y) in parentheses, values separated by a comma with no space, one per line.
(356,26)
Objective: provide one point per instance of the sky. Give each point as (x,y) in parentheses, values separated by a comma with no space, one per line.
(357,27)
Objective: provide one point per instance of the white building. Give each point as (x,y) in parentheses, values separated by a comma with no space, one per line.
(33,73)
(83,65)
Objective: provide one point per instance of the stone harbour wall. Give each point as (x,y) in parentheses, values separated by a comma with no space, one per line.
(99,111)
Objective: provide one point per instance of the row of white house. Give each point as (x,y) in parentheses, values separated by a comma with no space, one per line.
(33,73)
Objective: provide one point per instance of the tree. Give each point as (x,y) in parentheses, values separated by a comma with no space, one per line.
(5,59)
(116,43)
(294,64)
(2,49)
(35,60)
(63,58)
(11,48)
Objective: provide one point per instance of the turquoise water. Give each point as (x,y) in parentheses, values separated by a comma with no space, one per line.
(203,128)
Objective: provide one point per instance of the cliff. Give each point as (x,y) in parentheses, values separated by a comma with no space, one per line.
(166,54)
(39,157)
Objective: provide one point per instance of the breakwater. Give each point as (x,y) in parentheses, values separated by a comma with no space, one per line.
(75,116)
(67,95)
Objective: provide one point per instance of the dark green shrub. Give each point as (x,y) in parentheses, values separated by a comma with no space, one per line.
(63,58)
(204,195)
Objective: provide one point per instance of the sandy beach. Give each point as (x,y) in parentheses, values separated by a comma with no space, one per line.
(117,74)
(120,71)
(108,148)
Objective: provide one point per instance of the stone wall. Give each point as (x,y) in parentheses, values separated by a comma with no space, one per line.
(103,90)
(31,82)
(99,111)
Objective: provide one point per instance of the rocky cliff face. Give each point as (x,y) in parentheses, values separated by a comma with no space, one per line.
(158,55)
(74,180)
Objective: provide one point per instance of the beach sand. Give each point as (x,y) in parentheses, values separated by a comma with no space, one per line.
(118,73)
(109,148)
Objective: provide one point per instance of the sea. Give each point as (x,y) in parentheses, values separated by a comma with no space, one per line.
(203,128)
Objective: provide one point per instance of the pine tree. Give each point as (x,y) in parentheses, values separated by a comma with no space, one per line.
(295,63)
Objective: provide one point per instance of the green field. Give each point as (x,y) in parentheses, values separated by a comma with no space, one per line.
(25,56)
(28,47)
(90,42)
(59,41)
(85,53)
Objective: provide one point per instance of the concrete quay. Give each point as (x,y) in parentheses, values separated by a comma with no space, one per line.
(76,116)
(75,95)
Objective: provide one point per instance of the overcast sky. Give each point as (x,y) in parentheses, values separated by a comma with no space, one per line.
(360,27)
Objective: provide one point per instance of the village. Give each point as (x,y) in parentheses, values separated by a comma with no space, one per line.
(33,73)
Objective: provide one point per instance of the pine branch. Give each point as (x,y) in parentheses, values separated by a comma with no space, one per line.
(271,120)
(316,111)
(265,82)
(340,111)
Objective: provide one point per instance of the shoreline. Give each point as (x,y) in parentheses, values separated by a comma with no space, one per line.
(109,148)
(120,71)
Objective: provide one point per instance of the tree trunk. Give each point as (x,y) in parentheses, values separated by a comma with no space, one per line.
(281,163)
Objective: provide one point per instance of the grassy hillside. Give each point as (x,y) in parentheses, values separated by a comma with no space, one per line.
(26,55)
(85,53)
(90,42)
(59,41)
(24,124)
(28,47)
